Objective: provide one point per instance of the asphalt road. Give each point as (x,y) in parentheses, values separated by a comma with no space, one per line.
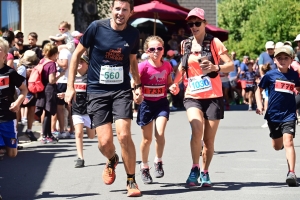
(244,166)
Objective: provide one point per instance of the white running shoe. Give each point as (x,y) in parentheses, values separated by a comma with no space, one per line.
(265,125)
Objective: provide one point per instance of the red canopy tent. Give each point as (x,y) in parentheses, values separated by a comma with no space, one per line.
(173,13)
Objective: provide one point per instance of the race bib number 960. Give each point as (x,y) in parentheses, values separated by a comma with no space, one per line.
(284,86)
(198,84)
(111,75)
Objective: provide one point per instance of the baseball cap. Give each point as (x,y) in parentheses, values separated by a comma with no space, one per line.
(85,58)
(284,49)
(170,53)
(278,44)
(270,45)
(297,38)
(287,43)
(197,12)
(17,31)
(76,34)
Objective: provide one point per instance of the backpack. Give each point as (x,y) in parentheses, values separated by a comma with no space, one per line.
(35,83)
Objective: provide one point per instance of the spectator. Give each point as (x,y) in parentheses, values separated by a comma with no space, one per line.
(32,40)
(173,42)
(63,63)
(18,49)
(244,69)
(174,64)
(64,28)
(297,40)
(233,78)
(268,56)
(27,62)
(46,100)
(76,35)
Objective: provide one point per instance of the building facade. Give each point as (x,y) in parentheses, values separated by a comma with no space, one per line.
(44,16)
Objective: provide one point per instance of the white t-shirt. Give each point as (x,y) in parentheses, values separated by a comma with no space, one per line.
(63,55)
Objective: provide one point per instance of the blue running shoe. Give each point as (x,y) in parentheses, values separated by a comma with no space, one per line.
(192,180)
(205,180)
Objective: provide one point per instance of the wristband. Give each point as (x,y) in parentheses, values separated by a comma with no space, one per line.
(219,68)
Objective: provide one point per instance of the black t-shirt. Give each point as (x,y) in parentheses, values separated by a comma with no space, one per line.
(37,51)
(79,107)
(9,79)
(109,62)
(11,50)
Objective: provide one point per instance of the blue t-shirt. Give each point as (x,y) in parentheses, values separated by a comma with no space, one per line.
(244,68)
(236,67)
(265,58)
(109,47)
(282,104)
(250,76)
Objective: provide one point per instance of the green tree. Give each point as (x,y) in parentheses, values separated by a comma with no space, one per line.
(253,22)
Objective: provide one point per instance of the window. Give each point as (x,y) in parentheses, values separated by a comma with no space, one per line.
(10,17)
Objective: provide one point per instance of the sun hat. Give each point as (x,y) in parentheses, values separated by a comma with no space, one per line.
(29,58)
(297,38)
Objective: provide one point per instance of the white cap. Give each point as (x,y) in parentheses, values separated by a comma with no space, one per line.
(76,34)
(278,44)
(297,38)
(270,45)
(144,56)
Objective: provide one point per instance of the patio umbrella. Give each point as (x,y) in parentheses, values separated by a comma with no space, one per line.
(158,10)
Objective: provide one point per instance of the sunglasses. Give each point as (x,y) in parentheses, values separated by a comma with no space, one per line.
(191,24)
(152,49)
(61,29)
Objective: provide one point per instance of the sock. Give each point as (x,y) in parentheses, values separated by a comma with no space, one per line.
(291,171)
(28,130)
(130,176)
(156,159)
(112,160)
(144,165)
(205,171)
(196,165)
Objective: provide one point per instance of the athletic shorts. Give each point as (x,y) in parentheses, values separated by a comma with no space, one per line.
(226,84)
(82,119)
(278,129)
(213,109)
(104,108)
(150,110)
(8,134)
(249,89)
(61,88)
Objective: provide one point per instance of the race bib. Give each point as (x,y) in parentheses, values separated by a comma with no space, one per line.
(284,86)
(4,82)
(111,75)
(80,87)
(198,84)
(154,90)
(249,84)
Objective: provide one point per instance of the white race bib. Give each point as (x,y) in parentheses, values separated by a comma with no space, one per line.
(198,84)
(111,75)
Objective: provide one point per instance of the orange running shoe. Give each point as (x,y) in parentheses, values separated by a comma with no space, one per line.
(109,174)
(132,188)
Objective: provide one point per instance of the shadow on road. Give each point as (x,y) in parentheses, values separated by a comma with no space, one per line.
(21,177)
(66,196)
(229,152)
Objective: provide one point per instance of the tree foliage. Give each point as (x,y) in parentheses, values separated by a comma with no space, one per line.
(253,22)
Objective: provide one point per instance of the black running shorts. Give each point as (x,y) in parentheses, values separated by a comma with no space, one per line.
(104,108)
(213,109)
(278,129)
(61,88)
